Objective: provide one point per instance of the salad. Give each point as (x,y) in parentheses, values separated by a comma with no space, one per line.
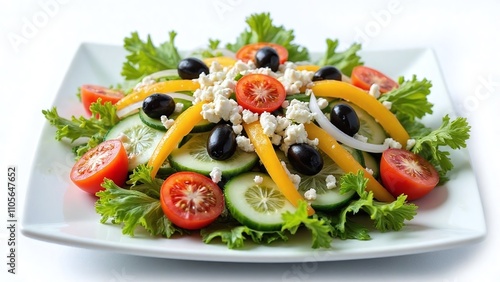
(257,141)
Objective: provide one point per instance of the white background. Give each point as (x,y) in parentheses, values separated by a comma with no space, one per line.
(37,42)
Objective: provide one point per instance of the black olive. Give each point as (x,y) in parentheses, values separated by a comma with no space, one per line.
(221,143)
(345,118)
(191,68)
(305,158)
(327,73)
(267,57)
(157,105)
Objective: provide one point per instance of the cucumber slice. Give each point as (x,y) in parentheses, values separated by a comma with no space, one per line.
(193,156)
(256,205)
(369,127)
(327,199)
(139,139)
(371,163)
(202,126)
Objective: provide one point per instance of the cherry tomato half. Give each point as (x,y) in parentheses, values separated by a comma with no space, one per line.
(404,172)
(90,93)
(247,52)
(191,200)
(260,93)
(363,77)
(107,160)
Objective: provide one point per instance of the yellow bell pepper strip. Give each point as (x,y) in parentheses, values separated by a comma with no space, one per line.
(159,87)
(182,125)
(345,160)
(346,91)
(265,150)
(223,61)
(313,68)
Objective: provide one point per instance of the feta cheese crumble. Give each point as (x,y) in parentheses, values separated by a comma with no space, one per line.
(258,179)
(310,195)
(331,182)
(410,143)
(167,122)
(392,143)
(216,175)
(374,90)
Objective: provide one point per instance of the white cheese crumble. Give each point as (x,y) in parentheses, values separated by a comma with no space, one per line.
(146,81)
(178,107)
(375,90)
(237,129)
(392,143)
(410,143)
(322,103)
(216,175)
(268,123)
(310,195)
(369,170)
(167,123)
(299,112)
(387,104)
(331,182)
(360,137)
(293,80)
(244,143)
(249,116)
(258,179)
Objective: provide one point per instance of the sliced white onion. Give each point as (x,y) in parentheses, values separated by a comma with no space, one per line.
(225,52)
(339,135)
(128,109)
(132,107)
(163,73)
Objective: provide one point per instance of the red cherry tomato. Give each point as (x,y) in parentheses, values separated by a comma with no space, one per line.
(404,172)
(247,52)
(107,160)
(260,93)
(363,77)
(90,94)
(191,200)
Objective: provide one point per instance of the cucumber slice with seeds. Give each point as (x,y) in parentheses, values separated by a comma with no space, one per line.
(256,205)
(202,126)
(193,156)
(327,199)
(138,139)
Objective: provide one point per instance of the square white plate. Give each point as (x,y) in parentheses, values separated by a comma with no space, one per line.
(56,211)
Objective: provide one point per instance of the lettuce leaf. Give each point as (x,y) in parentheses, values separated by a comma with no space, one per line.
(262,29)
(345,61)
(92,128)
(135,207)
(145,58)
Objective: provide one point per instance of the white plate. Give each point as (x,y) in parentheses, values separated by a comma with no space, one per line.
(58,212)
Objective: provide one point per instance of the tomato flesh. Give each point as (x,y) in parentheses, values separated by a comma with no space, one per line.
(363,77)
(191,200)
(247,52)
(90,93)
(260,93)
(107,160)
(404,172)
